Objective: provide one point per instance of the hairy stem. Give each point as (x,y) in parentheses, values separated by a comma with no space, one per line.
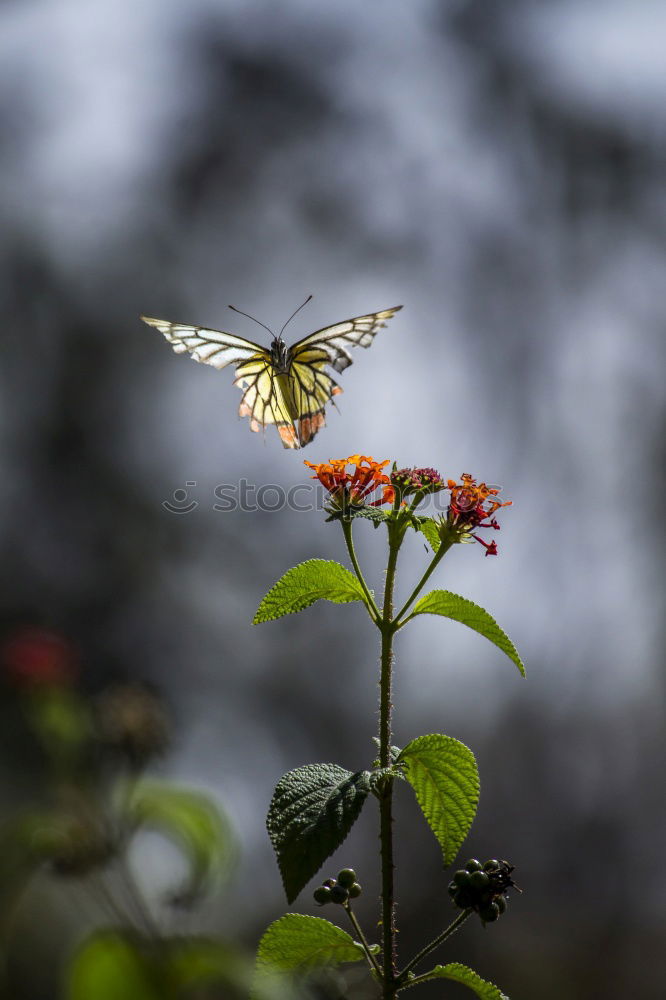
(451,929)
(439,555)
(386,794)
(373,610)
(366,947)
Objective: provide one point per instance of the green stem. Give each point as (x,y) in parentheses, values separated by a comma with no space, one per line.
(373,610)
(366,947)
(437,558)
(451,929)
(386,794)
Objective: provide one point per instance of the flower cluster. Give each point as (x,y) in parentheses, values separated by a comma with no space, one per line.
(364,485)
(473,506)
(419,481)
(359,481)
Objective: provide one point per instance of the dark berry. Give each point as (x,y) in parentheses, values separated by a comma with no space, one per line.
(461,877)
(489,913)
(346,877)
(492,864)
(473,865)
(354,890)
(479,880)
(322,894)
(453,889)
(330,882)
(500,903)
(339,894)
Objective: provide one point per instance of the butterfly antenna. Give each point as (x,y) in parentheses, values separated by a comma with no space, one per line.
(254,320)
(293,314)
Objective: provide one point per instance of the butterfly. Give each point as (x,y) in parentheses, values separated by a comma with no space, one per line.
(281,385)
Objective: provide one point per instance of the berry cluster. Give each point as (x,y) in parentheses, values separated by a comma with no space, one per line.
(482,887)
(338,890)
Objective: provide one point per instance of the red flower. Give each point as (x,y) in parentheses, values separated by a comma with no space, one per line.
(355,486)
(473,506)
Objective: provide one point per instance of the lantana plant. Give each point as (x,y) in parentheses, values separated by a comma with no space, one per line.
(314,807)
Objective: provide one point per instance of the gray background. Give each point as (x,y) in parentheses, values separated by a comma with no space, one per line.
(499,169)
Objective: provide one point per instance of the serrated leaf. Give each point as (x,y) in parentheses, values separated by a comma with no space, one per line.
(443,773)
(296,943)
(428,527)
(192,822)
(312,810)
(467,977)
(459,609)
(310,581)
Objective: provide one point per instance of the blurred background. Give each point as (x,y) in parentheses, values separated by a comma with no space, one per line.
(497,169)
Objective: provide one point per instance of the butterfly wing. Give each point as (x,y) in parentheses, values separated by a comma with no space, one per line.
(336,340)
(267,398)
(211,347)
(311,386)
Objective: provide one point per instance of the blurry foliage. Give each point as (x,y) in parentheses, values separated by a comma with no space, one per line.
(98,803)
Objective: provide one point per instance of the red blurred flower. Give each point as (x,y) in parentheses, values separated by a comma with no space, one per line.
(36,656)
(357,486)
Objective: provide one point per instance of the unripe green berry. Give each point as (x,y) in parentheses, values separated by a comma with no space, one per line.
(322,894)
(464,899)
(346,877)
(479,880)
(473,865)
(339,894)
(489,913)
(354,890)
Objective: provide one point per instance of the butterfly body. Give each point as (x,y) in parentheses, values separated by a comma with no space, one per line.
(282,385)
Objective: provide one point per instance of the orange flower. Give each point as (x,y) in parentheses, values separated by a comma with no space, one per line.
(357,485)
(473,506)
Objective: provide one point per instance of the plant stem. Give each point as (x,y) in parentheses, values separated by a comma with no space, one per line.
(373,610)
(366,947)
(386,794)
(439,555)
(451,929)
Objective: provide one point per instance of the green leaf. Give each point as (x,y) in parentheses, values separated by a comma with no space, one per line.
(310,581)
(373,514)
(312,811)
(467,977)
(193,823)
(296,943)
(428,527)
(459,609)
(109,966)
(442,771)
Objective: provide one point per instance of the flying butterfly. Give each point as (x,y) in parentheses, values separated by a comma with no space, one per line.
(281,385)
